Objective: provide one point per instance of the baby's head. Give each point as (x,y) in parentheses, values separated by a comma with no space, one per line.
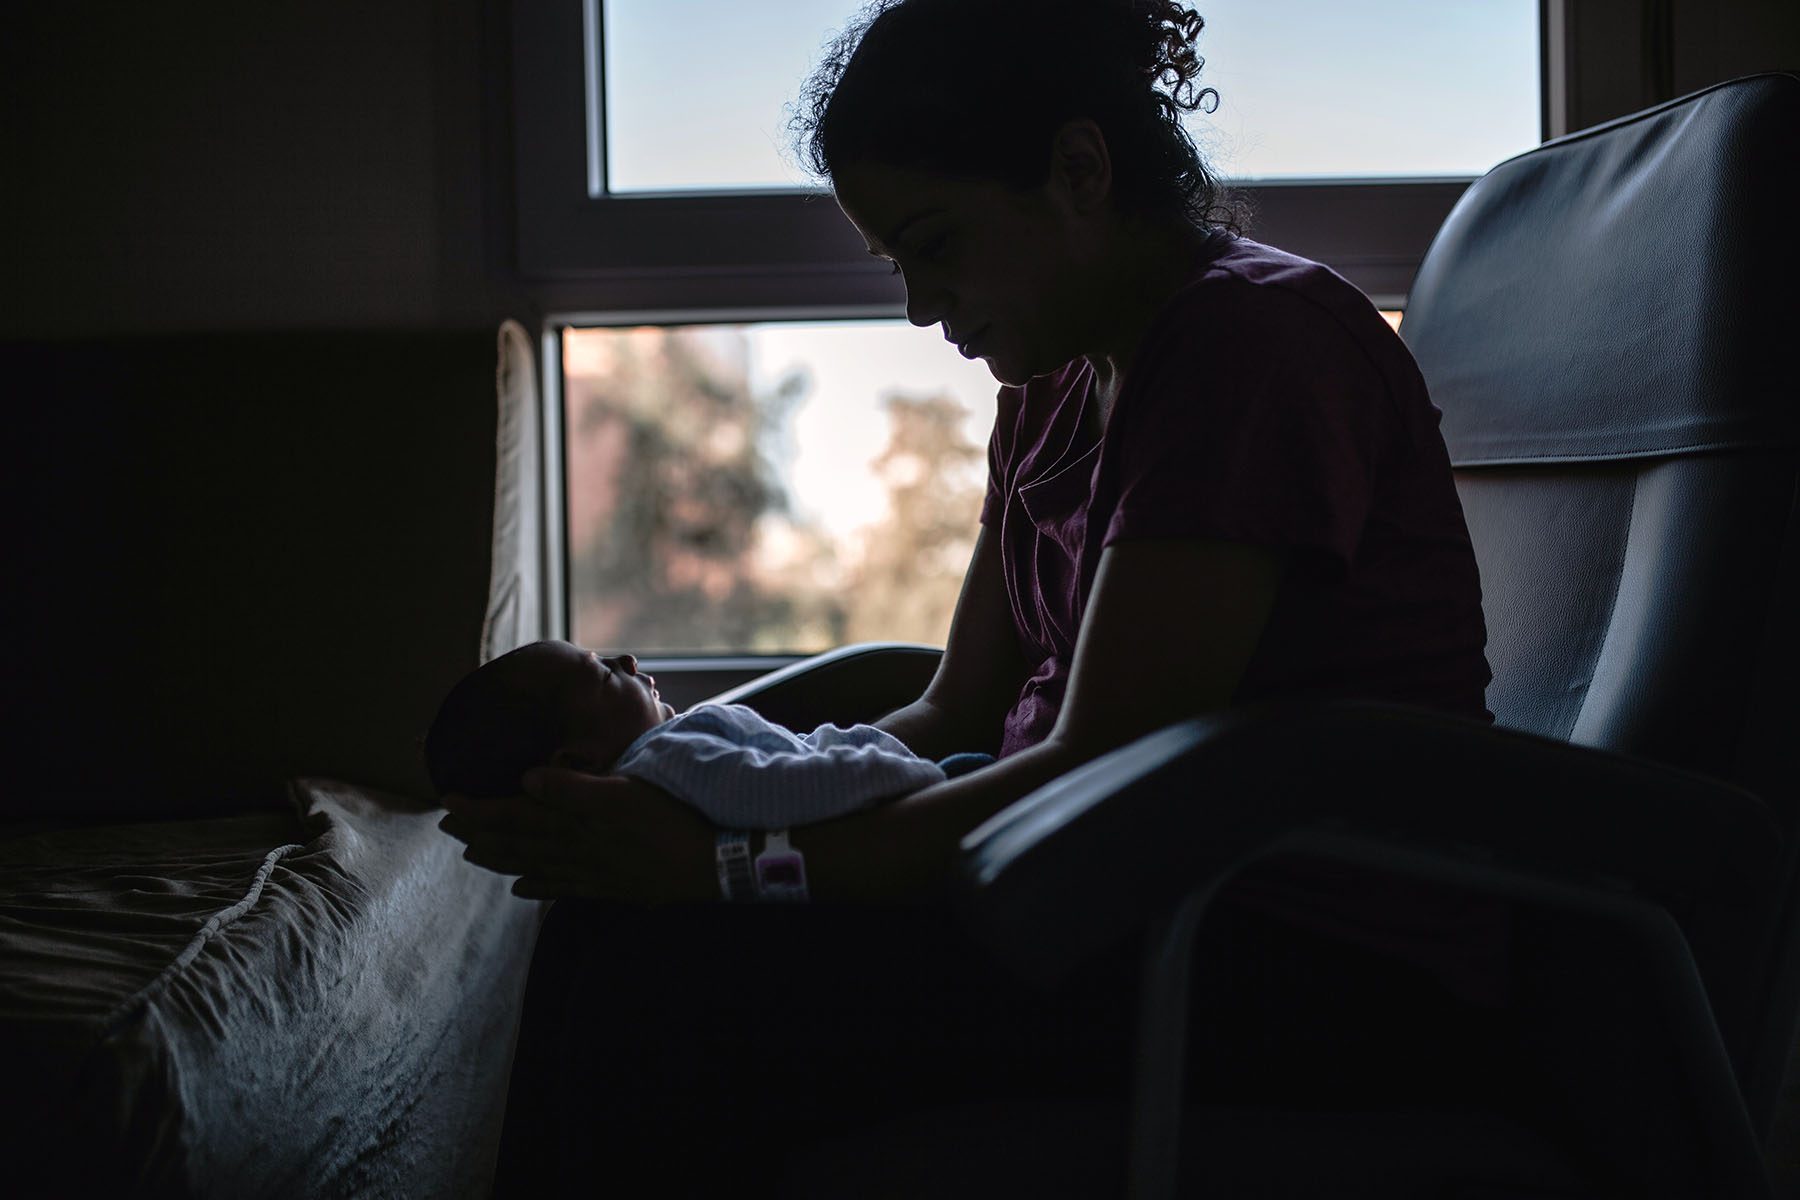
(546,704)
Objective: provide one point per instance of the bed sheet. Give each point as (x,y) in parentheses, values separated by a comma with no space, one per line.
(316,1003)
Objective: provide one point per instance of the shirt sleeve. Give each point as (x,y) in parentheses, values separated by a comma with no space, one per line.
(741,772)
(1258,420)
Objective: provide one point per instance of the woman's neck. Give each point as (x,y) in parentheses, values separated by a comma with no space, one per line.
(1145,269)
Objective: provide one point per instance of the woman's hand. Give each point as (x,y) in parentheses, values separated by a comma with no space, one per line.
(597,837)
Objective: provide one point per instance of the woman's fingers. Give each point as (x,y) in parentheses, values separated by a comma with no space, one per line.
(485,808)
(577,791)
(520,854)
(512,814)
(555,784)
(551,794)
(589,836)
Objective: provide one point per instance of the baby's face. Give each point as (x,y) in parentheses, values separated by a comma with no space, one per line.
(606,702)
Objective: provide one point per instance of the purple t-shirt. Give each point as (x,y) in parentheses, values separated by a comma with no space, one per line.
(1268,404)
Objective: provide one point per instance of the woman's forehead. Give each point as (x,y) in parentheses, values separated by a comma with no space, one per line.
(883,201)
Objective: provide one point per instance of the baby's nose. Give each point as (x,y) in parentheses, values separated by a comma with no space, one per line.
(628,662)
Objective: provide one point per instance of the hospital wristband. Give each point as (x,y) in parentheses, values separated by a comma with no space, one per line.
(731,856)
(780,871)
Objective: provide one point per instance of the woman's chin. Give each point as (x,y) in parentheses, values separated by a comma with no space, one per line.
(1012,373)
(1008,372)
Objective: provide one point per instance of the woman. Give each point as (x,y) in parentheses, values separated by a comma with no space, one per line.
(1210,457)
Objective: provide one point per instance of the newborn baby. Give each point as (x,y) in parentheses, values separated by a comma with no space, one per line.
(555,704)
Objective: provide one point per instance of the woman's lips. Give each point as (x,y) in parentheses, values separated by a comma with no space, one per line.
(971,348)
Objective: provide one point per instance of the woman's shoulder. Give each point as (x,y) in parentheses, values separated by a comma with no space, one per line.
(1250,261)
(1260,283)
(1250,298)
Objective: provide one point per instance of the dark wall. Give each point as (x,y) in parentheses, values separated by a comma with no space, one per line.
(238,558)
(207,166)
(252,258)
(1632,54)
(1715,40)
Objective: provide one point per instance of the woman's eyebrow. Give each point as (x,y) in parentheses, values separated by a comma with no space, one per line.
(893,239)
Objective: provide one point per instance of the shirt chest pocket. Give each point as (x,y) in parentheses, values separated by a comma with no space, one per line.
(1058,503)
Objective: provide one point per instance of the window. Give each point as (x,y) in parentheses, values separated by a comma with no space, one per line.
(776,487)
(1309,89)
(698,293)
(664,134)
(643,188)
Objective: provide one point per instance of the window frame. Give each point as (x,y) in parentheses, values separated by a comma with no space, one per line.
(584,257)
(582,251)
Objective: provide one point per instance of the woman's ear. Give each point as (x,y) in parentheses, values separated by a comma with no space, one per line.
(1081,164)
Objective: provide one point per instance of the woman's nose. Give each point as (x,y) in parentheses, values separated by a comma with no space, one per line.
(924,304)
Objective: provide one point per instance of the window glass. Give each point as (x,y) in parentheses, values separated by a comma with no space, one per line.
(1396,88)
(696,90)
(769,488)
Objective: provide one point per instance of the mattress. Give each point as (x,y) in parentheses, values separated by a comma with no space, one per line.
(286,1004)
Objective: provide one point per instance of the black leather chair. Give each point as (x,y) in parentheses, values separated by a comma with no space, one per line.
(1609,324)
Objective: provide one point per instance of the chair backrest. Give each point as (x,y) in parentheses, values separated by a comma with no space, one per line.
(1610,326)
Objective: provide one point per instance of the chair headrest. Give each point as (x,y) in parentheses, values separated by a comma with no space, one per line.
(1626,291)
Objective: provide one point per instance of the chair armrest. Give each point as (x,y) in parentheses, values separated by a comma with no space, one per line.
(1120,841)
(848,685)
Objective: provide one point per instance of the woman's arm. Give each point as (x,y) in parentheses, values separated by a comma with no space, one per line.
(980,674)
(1168,633)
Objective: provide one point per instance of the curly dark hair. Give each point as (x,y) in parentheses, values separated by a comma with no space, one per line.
(975,89)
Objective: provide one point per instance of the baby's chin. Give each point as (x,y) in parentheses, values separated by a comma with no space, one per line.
(664,711)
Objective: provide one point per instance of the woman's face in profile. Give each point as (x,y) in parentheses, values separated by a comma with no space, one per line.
(990,264)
